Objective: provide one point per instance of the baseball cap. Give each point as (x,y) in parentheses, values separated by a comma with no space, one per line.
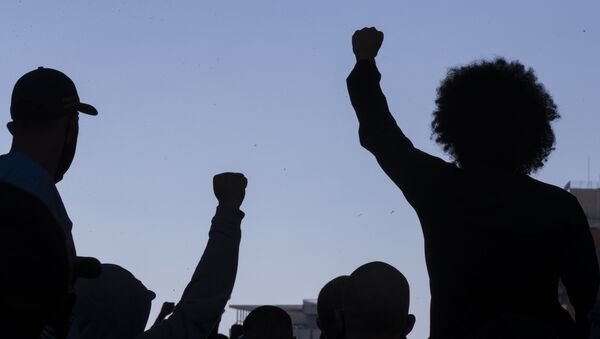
(45,93)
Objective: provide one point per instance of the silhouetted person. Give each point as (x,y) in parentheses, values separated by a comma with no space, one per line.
(236,331)
(496,240)
(114,305)
(166,309)
(329,304)
(44,110)
(35,275)
(105,310)
(268,322)
(375,303)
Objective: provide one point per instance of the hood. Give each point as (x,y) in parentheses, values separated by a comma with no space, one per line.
(114,305)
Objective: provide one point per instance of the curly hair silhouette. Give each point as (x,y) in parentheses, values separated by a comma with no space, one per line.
(495,114)
(496,240)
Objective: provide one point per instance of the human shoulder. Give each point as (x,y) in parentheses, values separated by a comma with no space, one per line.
(18,169)
(552,193)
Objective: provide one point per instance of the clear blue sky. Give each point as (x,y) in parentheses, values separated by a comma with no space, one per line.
(187,89)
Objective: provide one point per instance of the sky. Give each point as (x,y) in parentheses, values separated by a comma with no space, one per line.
(189,89)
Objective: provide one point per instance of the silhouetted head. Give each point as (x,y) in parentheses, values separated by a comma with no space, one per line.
(236,331)
(328,306)
(114,305)
(35,268)
(495,115)
(45,110)
(375,303)
(268,322)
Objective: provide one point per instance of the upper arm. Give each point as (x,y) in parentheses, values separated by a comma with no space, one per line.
(415,172)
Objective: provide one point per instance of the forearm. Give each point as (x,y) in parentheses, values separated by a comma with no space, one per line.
(413,171)
(377,125)
(217,269)
(210,288)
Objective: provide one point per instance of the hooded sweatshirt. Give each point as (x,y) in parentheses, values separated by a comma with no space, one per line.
(114,305)
(117,305)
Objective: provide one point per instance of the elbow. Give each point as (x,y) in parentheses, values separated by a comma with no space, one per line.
(364,141)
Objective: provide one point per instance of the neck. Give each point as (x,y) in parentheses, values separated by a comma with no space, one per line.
(43,154)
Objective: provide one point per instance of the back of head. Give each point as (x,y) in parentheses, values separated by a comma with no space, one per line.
(268,322)
(36,273)
(236,331)
(114,305)
(328,306)
(375,302)
(495,114)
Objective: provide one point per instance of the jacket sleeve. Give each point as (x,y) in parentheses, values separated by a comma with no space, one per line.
(207,293)
(413,171)
(579,268)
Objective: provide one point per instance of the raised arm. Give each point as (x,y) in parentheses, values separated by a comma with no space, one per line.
(413,171)
(579,268)
(207,293)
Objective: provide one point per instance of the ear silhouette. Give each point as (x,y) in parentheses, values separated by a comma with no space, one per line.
(410,323)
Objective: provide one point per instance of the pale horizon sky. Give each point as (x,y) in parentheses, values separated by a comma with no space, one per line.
(189,89)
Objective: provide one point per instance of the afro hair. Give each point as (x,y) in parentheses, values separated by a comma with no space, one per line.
(495,114)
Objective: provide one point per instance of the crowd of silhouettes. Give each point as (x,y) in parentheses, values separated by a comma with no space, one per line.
(495,253)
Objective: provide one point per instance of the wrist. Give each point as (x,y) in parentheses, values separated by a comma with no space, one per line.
(229,206)
(361,58)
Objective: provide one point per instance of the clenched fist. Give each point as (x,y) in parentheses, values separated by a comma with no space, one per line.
(167,308)
(366,43)
(230,189)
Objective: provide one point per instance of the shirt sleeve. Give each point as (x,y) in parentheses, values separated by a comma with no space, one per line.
(579,267)
(415,172)
(210,288)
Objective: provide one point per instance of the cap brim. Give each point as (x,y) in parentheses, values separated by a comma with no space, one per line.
(87,109)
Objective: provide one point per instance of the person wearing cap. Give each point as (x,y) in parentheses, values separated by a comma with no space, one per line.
(44,124)
(44,110)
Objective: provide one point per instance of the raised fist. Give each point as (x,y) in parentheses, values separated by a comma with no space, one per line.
(167,308)
(366,43)
(230,189)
